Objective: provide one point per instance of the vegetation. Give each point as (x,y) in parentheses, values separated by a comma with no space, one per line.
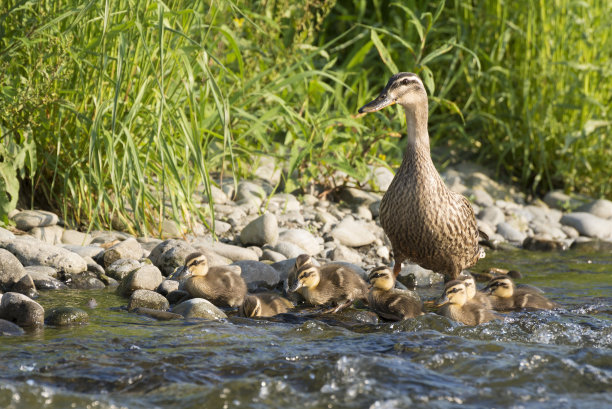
(117,113)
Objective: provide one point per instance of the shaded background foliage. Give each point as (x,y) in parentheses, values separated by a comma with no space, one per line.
(116,113)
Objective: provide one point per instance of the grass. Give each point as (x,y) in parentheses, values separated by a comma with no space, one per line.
(117,113)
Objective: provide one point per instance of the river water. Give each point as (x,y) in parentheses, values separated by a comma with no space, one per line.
(548,359)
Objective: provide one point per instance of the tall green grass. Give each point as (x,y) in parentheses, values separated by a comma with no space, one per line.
(117,113)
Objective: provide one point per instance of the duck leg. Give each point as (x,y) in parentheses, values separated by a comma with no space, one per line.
(397,268)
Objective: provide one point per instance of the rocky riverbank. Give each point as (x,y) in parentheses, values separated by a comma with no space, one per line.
(261,233)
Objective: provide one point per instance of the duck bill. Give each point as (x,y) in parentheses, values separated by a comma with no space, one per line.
(379,103)
(295,286)
(442,301)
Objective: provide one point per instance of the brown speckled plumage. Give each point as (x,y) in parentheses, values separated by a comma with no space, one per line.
(427,223)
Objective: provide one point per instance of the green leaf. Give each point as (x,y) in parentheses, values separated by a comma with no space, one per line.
(383,52)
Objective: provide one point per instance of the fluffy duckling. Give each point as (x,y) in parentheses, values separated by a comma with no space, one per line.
(505,296)
(264,305)
(389,302)
(331,284)
(473,295)
(219,285)
(456,305)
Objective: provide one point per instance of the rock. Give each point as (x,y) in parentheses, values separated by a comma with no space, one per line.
(221,227)
(214,259)
(85,251)
(216,194)
(48,234)
(583,244)
(177,296)
(589,225)
(122,267)
(601,208)
(570,232)
(76,238)
(381,177)
(6,235)
(21,310)
(25,286)
(547,230)
(42,271)
(481,197)
(8,328)
(157,314)
(271,255)
(510,233)
(129,248)
(262,230)
(559,200)
(250,193)
(544,214)
(85,281)
(492,215)
(384,253)
(148,243)
(147,277)
(486,228)
(301,238)
(540,244)
(148,299)
(288,250)
(284,202)
(325,217)
(34,252)
(199,308)
(423,277)
(375,209)
(11,270)
(28,219)
(343,253)
(234,253)
(93,267)
(105,237)
(352,233)
(258,275)
(170,254)
(167,286)
(64,316)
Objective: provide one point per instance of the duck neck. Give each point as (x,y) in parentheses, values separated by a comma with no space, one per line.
(418,137)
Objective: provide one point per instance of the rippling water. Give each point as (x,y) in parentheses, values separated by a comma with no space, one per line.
(548,359)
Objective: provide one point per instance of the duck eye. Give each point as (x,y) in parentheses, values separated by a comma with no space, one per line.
(405,81)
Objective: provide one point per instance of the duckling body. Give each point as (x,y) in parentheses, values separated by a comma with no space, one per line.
(389,302)
(455,305)
(505,296)
(473,295)
(427,223)
(220,285)
(264,305)
(329,285)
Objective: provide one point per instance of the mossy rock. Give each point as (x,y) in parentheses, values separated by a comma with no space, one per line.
(64,316)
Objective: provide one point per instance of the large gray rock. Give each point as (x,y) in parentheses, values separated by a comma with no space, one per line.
(6,235)
(48,234)
(44,281)
(600,208)
(301,238)
(122,267)
(258,275)
(170,254)
(250,193)
(559,200)
(589,225)
(147,277)
(85,281)
(271,255)
(199,308)
(148,299)
(289,250)
(28,219)
(66,316)
(76,238)
(129,248)
(492,215)
(21,310)
(25,286)
(262,230)
(510,233)
(46,270)
(352,233)
(8,328)
(34,252)
(11,270)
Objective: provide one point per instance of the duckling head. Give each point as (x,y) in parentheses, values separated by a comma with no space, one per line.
(250,307)
(197,264)
(381,278)
(307,276)
(502,287)
(404,88)
(455,293)
(470,285)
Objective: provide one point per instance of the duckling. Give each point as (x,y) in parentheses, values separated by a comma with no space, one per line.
(219,285)
(388,302)
(505,296)
(264,305)
(426,222)
(330,284)
(473,295)
(456,305)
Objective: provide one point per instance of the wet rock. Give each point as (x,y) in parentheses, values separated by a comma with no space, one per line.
(539,244)
(28,219)
(108,281)
(11,270)
(589,225)
(43,281)
(167,286)
(170,254)
(147,299)
(65,316)
(129,248)
(147,277)
(343,253)
(301,238)
(510,233)
(7,328)
(177,296)
(273,256)
(6,235)
(262,230)
(601,208)
(592,246)
(122,267)
(257,274)
(76,238)
(492,215)
(157,314)
(21,310)
(92,266)
(34,252)
(198,308)
(422,276)
(85,281)
(48,234)
(25,286)
(352,233)
(352,315)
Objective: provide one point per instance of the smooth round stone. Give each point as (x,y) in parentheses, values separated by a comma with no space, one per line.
(492,215)
(86,281)
(423,277)
(257,274)
(46,270)
(157,314)
(147,277)
(167,286)
(28,219)
(11,270)
(285,203)
(289,250)
(352,233)
(262,230)
(92,266)
(48,234)
(213,258)
(544,229)
(600,208)
(84,251)
(148,299)
(570,232)
(559,200)
(481,197)
(485,227)
(589,225)
(170,229)
(375,208)
(25,286)
(198,308)
(356,197)
(129,248)
(77,238)
(21,310)
(301,238)
(363,212)
(65,316)
(382,177)
(234,253)
(122,267)
(510,233)
(217,195)
(383,252)
(343,253)
(271,255)
(7,328)
(6,235)
(43,281)
(325,217)
(177,296)
(170,254)
(148,243)
(250,193)
(34,252)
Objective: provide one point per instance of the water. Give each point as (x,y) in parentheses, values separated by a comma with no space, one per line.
(548,359)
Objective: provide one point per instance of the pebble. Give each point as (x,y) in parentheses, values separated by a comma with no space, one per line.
(122,267)
(481,198)
(43,281)
(85,251)
(352,233)
(589,225)
(85,281)
(288,250)
(382,177)
(65,316)
(258,275)
(48,234)
(343,253)
(147,277)
(76,238)
(510,233)
(34,252)
(559,200)
(7,328)
(129,248)
(198,308)
(21,310)
(11,270)
(493,215)
(230,251)
(25,286)
(148,299)
(28,219)
(301,238)
(263,230)
(285,203)
(271,255)
(6,235)
(167,286)
(170,254)
(601,208)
